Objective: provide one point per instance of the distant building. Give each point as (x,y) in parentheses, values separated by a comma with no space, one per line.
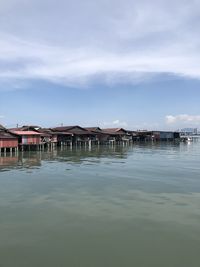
(79,135)
(155,135)
(117,135)
(189,131)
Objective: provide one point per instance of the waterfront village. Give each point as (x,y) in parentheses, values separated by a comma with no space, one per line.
(37,138)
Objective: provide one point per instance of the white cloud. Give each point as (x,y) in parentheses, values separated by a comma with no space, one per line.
(183,119)
(127,40)
(114,124)
(119,123)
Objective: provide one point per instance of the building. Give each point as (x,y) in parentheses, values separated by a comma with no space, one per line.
(117,135)
(45,137)
(99,137)
(155,135)
(56,138)
(169,136)
(79,135)
(28,139)
(189,131)
(8,141)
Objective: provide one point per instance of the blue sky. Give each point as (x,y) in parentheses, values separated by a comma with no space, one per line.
(131,64)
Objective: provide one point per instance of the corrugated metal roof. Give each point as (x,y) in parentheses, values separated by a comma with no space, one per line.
(5,135)
(62,133)
(93,129)
(25,133)
(51,132)
(45,134)
(114,130)
(68,128)
(25,128)
(76,130)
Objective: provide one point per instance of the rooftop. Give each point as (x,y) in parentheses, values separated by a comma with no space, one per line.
(113,130)
(5,135)
(93,129)
(25,133)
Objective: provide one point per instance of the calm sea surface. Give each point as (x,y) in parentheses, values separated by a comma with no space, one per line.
(136,206)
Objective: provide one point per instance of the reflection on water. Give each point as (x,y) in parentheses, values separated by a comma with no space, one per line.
(31,159)
(105,206)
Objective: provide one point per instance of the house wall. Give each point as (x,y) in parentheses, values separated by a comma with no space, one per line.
(103,137)
(8,143)
(30,140)
(166,135)
(63,138)
(54,138)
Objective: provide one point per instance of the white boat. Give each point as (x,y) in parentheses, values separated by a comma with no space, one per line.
(186,139)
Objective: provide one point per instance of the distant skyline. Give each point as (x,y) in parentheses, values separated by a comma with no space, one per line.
(131,64)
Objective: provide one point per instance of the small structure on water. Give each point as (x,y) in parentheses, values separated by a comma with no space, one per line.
(8,141)
(28,139)
(79,135)
(56,138)
(117,135)
(155,135)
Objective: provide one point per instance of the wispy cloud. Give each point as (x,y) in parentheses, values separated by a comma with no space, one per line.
(127,40)
(115,123)
(183,119)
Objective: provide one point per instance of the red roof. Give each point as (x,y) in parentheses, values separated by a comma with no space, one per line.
(25,133)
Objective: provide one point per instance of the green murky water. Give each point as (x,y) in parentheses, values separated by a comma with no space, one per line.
(104,207)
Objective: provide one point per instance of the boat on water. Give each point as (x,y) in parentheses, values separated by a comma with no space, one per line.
(186,139)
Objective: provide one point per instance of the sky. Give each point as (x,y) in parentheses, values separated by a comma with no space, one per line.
(111,63)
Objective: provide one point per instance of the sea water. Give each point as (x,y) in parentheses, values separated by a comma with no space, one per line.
(106,206)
